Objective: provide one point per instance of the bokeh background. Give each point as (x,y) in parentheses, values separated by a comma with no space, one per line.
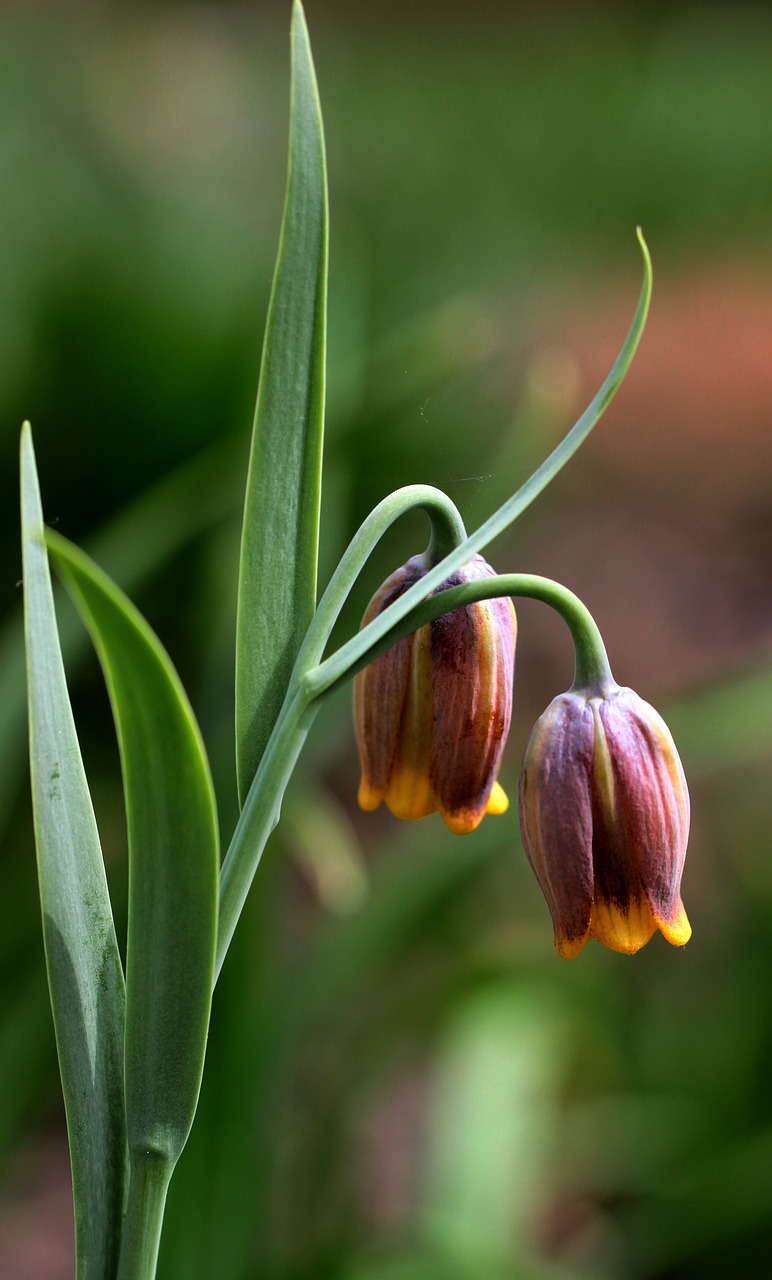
(404,1082)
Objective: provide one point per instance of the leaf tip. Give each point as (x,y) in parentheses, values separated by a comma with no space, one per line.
(298,24)
(645,252)
(300,39)
(26,449)
(31,506)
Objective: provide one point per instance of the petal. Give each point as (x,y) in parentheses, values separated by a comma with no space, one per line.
(498,800)
(472,653)
(626,928)
(380,691)
(409,793)
(677,931)
(556,816)
(652,805)
(615,849)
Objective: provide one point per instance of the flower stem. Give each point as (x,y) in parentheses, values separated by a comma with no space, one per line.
(260,814)
(449,549)
(149,1176)
(592,669)
(263,803)
(447,533)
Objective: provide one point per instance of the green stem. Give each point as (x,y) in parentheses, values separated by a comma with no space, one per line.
(149,1177)
(592,669)
(263,803)
(260,815)
(448,532)
(313,678)
(261,809)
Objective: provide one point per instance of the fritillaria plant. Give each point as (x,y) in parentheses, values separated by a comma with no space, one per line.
(604,808)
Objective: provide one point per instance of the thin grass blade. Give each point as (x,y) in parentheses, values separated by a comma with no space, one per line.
(279,549)
(84,968)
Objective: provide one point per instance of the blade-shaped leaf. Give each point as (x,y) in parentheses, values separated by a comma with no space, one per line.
(277,584)
(84,968)
(173,861)
(133,544)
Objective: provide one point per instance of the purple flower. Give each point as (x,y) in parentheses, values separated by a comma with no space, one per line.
(604,814)
(432,713)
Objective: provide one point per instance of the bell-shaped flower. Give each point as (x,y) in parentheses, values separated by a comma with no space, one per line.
(432,713)
(604,814)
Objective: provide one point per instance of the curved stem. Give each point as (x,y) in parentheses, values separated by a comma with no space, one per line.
(313,678)
(350,655)
(448,532)
(592,669)
(263,804)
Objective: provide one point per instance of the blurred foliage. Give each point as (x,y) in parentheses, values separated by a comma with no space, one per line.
(403,1082)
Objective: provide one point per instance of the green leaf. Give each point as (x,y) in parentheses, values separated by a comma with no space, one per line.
(342,664)
(134,544)
(279,548)
(173,861)
(84,968)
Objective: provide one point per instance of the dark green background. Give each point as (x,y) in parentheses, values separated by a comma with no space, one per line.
(404,1082)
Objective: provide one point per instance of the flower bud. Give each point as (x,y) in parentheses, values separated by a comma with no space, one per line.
(604,814)
(432,713)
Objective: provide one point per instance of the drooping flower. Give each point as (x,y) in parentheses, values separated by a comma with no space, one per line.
(604,814)
(432,713)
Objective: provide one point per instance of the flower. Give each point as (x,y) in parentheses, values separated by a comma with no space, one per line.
(604,814)
(432,713)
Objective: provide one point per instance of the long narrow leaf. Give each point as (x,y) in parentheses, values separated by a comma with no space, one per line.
(277,584)
(173,861)
(84,968)
(132,545)
(342,663)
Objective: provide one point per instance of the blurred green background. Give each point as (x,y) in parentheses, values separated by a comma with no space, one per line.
(404,1082)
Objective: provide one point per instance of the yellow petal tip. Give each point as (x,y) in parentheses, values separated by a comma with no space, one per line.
(569,948)
(498,801)
(462,823)
(624,929)
(679,931)
(367,797)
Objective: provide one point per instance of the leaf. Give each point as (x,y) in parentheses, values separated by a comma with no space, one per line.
(361,647)
(173,861)
(134,544)
(279,548)
(84,968)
